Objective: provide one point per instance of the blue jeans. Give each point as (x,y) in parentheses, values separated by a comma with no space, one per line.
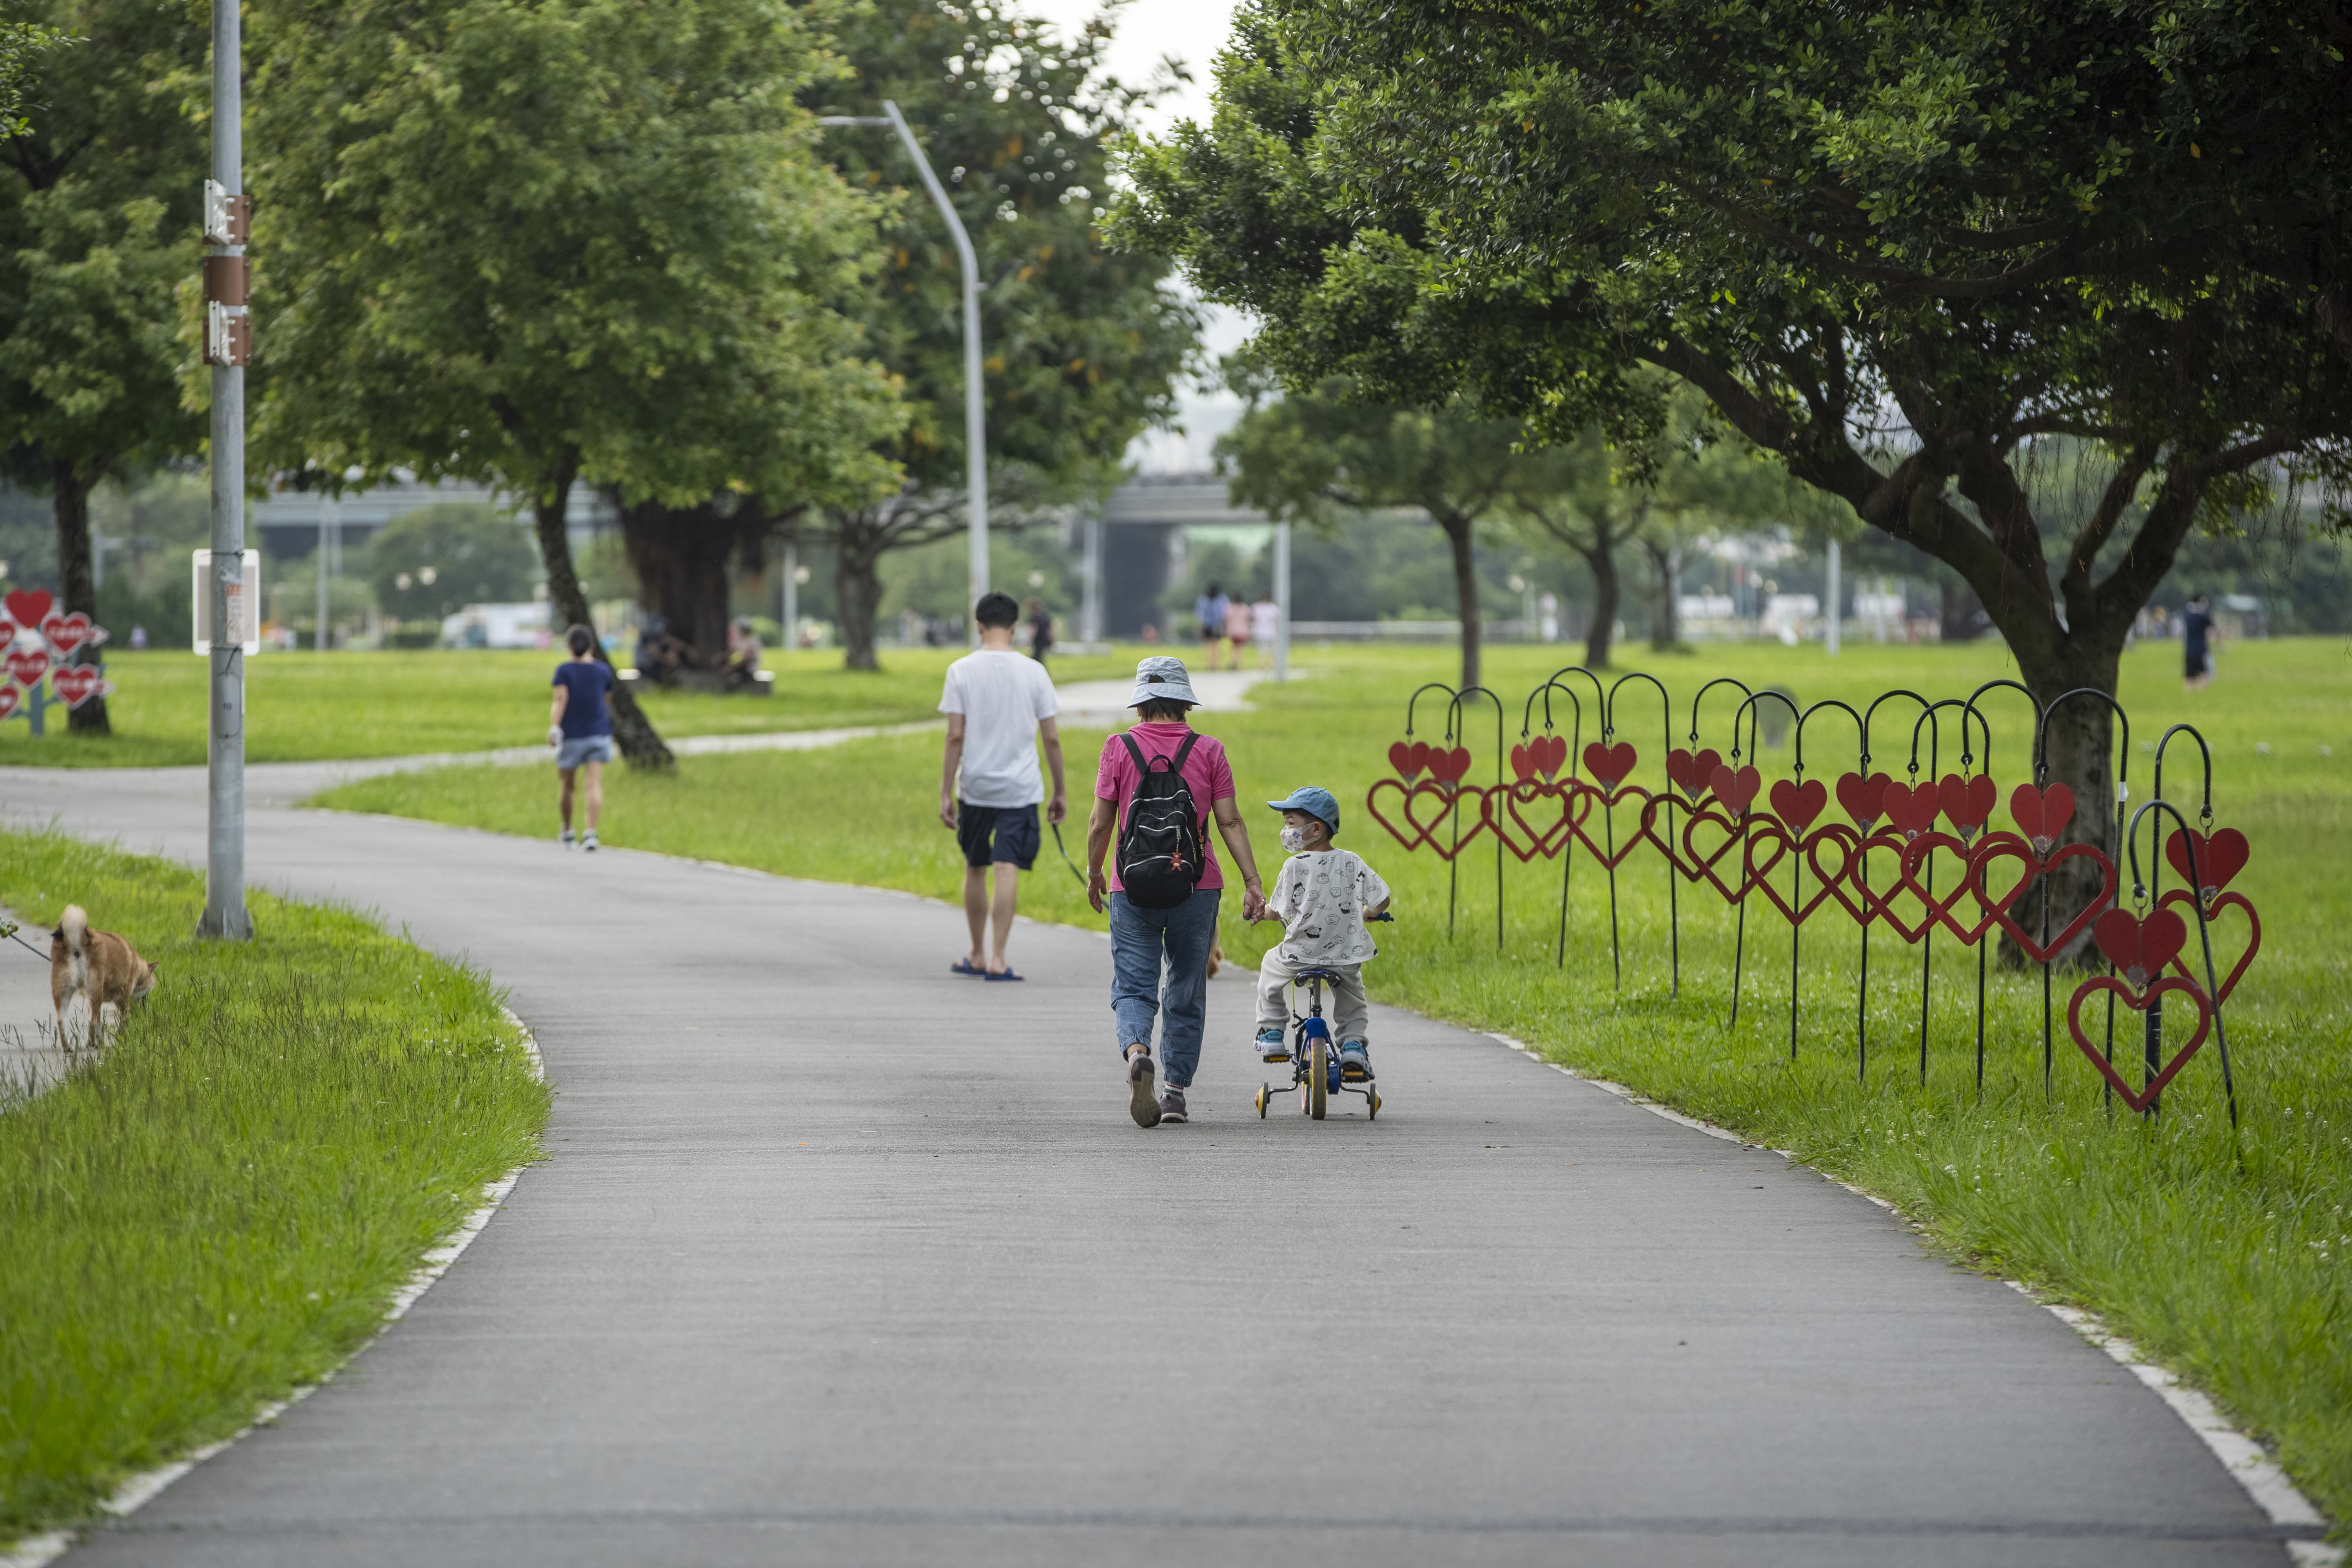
(1140,940)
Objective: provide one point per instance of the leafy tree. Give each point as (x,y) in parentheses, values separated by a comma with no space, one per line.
(544,245)
(1577,499)
(1537,199)
(426,563)
(1083,343)
(98,200)
(22,47)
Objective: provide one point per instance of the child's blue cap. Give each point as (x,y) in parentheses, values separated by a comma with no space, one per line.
(1314,802)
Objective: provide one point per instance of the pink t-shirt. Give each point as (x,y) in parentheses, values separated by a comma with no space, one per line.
(1206,772)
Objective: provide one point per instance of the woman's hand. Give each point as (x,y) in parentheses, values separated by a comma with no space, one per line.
(1096,888)
(1254,905)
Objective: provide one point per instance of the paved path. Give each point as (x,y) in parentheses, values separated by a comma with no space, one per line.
(837,1259)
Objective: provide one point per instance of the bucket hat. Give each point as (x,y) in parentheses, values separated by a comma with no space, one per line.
(1161,678)
(1315,802)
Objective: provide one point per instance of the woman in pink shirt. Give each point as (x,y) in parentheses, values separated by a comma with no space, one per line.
(1144,938)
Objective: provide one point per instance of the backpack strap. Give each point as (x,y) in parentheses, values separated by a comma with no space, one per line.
(1184,750)
(1134,751)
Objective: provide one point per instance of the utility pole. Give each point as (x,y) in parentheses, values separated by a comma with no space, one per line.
(975,417)
(791,617)
(1282,601)
(330,542)
(1831,633)
(228,348)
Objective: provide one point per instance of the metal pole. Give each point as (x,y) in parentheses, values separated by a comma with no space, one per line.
(325,565)
(224,913)
(1282,601)
(1090,626)
(1832,606)
(792,595)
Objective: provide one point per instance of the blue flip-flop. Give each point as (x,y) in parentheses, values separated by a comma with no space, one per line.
(1008,974)
(963,966)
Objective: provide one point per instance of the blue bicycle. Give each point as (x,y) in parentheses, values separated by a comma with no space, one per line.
(1315,1055)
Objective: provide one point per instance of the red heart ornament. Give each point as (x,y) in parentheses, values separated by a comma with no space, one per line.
(2218,857)
(1967,801)
(11,694)
(1611,765)
(1373,809)
(76,684)
(1796,910)
(1455,798)
(1939,907)
(1911,809)
(28,607)
(2000,846)
(1692,773)
(1735,791)
(1575,805)
(1875,905)
(7,631)
(26,666)
(1864,799)
(2042,814)
(1849,843)
(2229,981)
(1448,768)
(1611,856)
(1550,752)
(2140,946)
(1798,804)
(1703,864)
(1523,763)
(2138,1002)
(1409,758)
(66,633)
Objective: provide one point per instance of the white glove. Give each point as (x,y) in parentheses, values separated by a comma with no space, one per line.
(555,734)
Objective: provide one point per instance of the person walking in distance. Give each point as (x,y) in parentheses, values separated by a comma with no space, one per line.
(1157,787)
(997,703)
(2196,641)
(579,727)
(1209,609)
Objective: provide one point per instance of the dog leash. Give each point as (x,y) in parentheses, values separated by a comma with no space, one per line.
(1063,848)
(8,928)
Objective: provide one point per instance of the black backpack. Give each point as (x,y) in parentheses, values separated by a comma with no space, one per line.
(1159,859)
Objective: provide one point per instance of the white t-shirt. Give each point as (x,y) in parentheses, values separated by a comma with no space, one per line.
(1266,619)
(1320,899)
(1002,697)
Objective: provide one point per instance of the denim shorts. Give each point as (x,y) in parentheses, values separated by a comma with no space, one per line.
(576,750)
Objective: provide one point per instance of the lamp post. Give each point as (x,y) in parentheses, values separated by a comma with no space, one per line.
(228,348)
(975,419)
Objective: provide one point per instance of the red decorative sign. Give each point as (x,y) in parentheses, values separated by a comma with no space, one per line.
(26,666)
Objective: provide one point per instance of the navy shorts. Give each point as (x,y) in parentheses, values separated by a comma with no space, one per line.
(996,834)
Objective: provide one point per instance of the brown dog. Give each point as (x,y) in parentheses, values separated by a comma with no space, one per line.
(101,968)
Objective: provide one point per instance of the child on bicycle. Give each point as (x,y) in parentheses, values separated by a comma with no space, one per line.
(1323,897)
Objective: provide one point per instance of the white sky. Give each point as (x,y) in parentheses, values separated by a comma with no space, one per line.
(1191,31)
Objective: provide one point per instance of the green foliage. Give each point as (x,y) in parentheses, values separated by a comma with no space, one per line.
(22,46)
(425,564)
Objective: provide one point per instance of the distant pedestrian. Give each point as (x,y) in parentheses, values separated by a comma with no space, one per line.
(579,727)
(743,654)
(2196,641)
(1266,625)
(1040,631)
(1209,610)
(1157,787)
(998,704)
(1237,628)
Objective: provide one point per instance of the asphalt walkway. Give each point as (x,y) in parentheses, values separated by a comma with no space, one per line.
(838,1259)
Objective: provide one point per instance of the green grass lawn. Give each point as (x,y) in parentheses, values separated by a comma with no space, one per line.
(2229,1256)
(220,1209)
(302,707)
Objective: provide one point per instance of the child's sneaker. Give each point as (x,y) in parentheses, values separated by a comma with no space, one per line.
(1355,1062)
(1141,1103)
(1172,1106)
(564,839)
(1270,1046)
(588,839)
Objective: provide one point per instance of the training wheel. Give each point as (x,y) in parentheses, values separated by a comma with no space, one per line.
(1264,1093)
(1372,1105)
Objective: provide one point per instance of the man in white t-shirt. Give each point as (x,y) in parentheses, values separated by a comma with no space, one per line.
(997,702)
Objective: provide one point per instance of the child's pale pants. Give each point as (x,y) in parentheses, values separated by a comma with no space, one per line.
(1349,1010)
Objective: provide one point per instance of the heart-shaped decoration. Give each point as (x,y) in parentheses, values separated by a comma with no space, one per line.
(2140,946)
(1575,804)
(1411,840)
(1551,755)
(1610,853)
(1876,905)
(1795,910)
(2138,1002)
(1611,765)
(2001,845)
(1523,763)
(1409,758)
(26,666)
(1702,864)
(1455,799)
(1446,768)
(1911,809)
(1798,804)
(76,684)
(1835,881)
(28,607)
(2218,857)
(66,633)
(7,632)
(1967,801)
(1697,771)
(11,694)
(2229,981)
(2042,814)
(1864,799)
(1735,791)
(1939,907)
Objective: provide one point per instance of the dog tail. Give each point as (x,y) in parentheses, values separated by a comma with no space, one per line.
(73,928)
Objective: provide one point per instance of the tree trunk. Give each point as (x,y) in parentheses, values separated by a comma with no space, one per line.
(681,556)
(640,744)
(1960,611)
(857,587)
(1665,622)
(2080,749)
(1606,592)
(1460,532)
(77,590)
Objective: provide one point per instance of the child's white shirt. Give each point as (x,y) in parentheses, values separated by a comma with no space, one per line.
(1320,897)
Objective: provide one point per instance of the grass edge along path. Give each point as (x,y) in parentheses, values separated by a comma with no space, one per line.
(2226,1260)
(229,1204)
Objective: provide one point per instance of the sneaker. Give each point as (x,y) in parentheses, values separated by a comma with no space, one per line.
(1270,1046)
(1355,1062)
(1172,1106)
(565,838)
(588,839)
(1141,1103)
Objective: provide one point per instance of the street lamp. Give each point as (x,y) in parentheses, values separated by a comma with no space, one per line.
(975,421)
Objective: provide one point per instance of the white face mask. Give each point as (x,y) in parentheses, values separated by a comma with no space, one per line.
(1293,839)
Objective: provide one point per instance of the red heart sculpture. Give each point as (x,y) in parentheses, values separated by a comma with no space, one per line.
(7,631)
(2138,1002)
(1373,810)
(76,684)
(1408,759)
(1826,887)
(1911,809)
(1455,797)
(1735,791)
(1447,768)
(2140,946)
(11,694)
(1691,772)
(26,666)
(1940,907)
(2218,857)
(2229,981)
(2001,844)
(1612,857)
(1611,765)
(1701,865)
(28,607)
(1523,763)
(1797,805)
(1575,805)
(1875,905)
(1967,801)
(2042,814)
(1864,799)
(1551,755)
(66,633)
(1849,843)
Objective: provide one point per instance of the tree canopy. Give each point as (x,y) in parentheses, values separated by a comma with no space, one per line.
(440,558)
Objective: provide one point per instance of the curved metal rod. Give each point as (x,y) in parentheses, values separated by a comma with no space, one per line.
(1755,700)
(1674,891)
(1745,690)
(2204,937)
(1967,713)
(1575,745)
(1414,701)
(1861,869)
(1453,718)
(1600,698)
(1527,713)
(2206,815)
(1826,702)
(2042,737)
(2016,686)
